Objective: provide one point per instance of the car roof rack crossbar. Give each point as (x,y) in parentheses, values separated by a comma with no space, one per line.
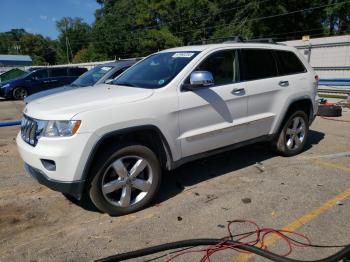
(261,40)
(234,39)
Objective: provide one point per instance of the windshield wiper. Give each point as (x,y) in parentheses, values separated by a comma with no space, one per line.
(74,85)
(124,84)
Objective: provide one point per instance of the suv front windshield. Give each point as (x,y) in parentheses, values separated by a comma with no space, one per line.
(156,70)
(90,77)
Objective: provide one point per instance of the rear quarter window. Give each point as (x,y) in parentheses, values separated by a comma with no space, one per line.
(257,64)
(289,63)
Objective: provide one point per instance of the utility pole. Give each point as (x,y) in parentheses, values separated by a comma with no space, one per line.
(67,41)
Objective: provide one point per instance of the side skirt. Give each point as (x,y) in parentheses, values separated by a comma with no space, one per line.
(187,159)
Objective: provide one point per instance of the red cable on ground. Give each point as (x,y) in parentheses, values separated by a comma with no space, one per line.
(260,233)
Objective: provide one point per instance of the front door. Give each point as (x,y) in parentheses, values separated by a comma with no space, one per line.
(214,117)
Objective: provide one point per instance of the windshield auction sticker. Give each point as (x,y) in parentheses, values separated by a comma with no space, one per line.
(106,68)
(182,55)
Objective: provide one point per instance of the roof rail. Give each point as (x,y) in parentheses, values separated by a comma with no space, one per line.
(261,40)
(234,39)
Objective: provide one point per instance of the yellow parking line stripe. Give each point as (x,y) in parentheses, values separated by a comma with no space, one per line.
(300,222)
(307,217)
(332,165)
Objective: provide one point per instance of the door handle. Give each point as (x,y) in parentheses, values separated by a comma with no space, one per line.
(237,90)
(284,83)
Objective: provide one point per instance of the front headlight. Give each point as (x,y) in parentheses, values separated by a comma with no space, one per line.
(5,85)
(61,128)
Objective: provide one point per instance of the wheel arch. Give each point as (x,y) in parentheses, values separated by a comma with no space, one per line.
(304,104)
(147,135)
(12,90)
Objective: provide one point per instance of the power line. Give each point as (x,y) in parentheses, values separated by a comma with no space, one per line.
(196,17)
(268,17)
(230,24)
(205,28)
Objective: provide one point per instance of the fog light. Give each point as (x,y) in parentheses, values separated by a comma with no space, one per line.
(49,164)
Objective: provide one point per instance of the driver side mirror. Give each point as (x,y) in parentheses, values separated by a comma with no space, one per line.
(200,79)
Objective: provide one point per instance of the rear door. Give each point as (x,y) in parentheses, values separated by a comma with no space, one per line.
(214,117)
(264,89)
(292,69)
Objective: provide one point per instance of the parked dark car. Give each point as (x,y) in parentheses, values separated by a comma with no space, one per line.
(99,74)
(39,79)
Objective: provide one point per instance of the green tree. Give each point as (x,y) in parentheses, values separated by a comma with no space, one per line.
(74,36)
(88,54)
(42,49)
(336,18)
(18,41)
(127,28)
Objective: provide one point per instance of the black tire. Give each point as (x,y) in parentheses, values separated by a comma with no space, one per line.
(104,169)
(329,110)
(285,141)
(19,93)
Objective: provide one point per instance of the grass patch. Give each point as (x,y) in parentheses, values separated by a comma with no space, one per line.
(340,96)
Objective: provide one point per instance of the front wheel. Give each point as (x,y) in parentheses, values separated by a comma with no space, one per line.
(19,93)
(127,181)
(292,138)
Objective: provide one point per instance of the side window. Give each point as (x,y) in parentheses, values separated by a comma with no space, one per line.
(40,74)
(289,63)
(257,64)
(118,72)
(57,72)
(223,65)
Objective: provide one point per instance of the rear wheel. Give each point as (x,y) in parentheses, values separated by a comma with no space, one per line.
(19,93)
(127,181)
(292,138)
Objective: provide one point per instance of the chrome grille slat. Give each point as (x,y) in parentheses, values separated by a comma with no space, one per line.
(29,130)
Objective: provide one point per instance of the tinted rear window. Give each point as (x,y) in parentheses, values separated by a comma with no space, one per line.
(257,64)
(289,63)
(56,72)
(76,71)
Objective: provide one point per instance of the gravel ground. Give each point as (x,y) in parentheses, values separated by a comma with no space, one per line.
(196,201)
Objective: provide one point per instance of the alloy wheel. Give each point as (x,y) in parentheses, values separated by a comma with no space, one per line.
(19,93)
(127,181)
(295,133)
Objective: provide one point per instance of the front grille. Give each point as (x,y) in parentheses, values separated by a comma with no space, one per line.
(29,130)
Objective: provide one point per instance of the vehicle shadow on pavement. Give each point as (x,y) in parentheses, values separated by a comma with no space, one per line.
(198,171)
(192,173)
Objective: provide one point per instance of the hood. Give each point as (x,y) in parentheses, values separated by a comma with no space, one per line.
(41,94)
(11,82)
(65,105)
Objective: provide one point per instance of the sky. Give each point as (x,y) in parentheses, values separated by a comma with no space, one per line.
(40,16)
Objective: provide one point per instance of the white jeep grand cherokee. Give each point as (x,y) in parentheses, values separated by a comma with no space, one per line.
(111,142)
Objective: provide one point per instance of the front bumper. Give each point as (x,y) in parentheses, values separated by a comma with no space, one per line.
(74,189)
(69,155)
(4,93)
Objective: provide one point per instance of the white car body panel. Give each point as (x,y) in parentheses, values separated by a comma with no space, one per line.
(191,122)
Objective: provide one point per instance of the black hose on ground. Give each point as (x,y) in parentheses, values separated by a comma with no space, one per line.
(344,253)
